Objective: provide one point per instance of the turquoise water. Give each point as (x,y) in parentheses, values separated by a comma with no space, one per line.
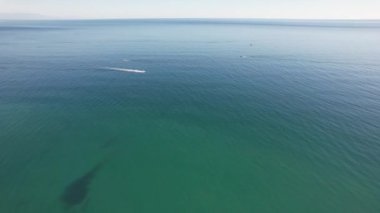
(229,116)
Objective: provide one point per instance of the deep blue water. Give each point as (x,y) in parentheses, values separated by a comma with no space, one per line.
(228,116)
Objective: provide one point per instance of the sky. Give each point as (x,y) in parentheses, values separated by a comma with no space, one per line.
(289,9)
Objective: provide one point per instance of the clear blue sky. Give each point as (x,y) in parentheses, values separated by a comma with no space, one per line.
(306,9)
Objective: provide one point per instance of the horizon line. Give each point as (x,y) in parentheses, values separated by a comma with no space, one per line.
(186,18)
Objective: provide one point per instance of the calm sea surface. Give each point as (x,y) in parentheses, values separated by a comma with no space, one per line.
(229,116)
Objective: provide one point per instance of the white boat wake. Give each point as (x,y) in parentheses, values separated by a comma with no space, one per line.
(124,70)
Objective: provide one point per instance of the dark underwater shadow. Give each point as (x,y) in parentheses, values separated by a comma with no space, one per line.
(77,191)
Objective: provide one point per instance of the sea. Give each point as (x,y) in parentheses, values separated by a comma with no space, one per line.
(190,115)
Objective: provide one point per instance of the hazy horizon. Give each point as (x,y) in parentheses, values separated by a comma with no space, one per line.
(151,9)
(34,16)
